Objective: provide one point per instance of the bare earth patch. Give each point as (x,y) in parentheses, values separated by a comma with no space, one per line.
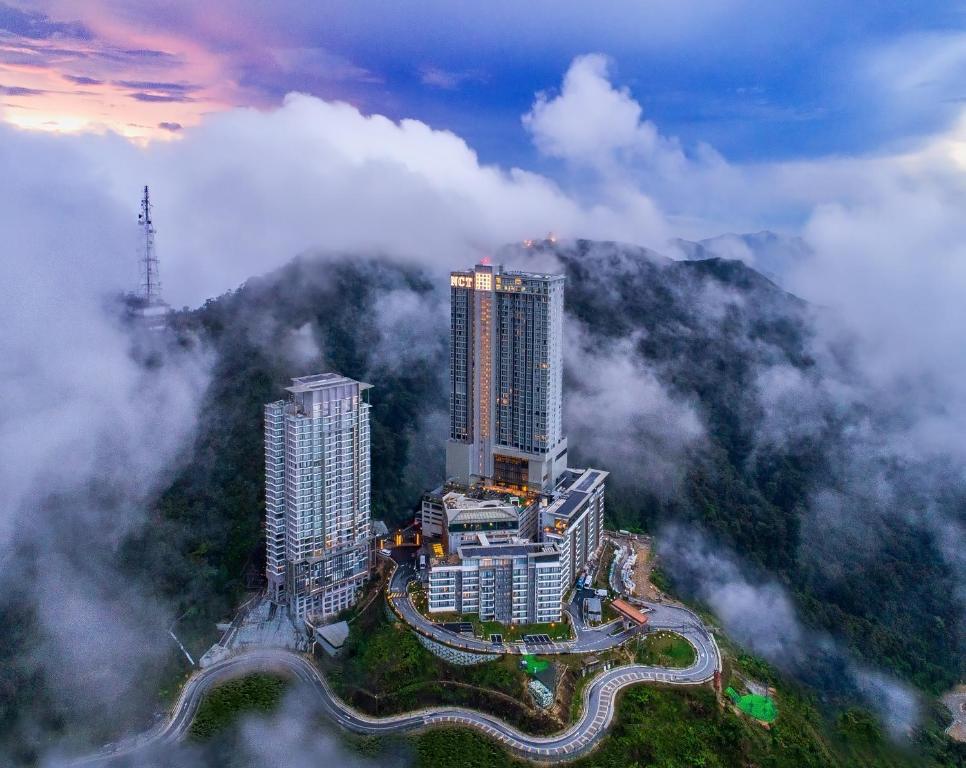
(956,701)
(642,571)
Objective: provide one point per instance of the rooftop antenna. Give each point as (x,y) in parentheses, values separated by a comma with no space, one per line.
(150,281)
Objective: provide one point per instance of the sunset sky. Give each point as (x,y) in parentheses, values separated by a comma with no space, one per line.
(758,81)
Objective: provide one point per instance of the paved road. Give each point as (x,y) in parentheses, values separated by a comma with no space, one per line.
(587,640)
(598,711)
(599,696)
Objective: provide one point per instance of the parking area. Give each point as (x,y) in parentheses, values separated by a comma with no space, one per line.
(459,627)
(537,639)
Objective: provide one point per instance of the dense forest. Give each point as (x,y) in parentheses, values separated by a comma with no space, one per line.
(705,331)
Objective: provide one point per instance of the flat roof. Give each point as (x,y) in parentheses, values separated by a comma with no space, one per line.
(482,515)
(497,270)
(566,506)
(322,381)
(589,479)
(507,550)
(459,500)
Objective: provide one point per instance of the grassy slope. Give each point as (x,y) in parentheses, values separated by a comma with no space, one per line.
(225,704)
(665,649)
(384,670)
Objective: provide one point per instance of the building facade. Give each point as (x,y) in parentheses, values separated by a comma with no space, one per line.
(506,455)
(514,583)
(574,520)
(454,514)
(317,495)
(506,378)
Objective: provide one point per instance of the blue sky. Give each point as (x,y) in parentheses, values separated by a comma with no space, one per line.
(759,82)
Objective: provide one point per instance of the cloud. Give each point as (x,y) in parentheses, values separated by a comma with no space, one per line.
(447,80)
(315,174)
(90,434)
(617,411)
(83,80)
(321,63)
(169,126)
(409,326)
(154,85)
(159,98)
(591,121)
(11,90)
(38,26)
(297,726)
(756,611)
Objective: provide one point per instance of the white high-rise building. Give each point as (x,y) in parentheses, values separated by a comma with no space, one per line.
(506,378)
(317,495)
(574,519)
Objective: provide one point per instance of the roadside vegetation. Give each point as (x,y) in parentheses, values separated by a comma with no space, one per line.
(384,669)
(224,705)
(603,570)
(685,727)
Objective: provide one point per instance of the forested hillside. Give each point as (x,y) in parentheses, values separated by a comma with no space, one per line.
(685,352)
(709,331)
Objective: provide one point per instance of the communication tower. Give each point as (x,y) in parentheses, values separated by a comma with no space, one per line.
(150,280)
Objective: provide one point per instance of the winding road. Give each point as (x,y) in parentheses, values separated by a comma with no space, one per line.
(598,703)
(598,710)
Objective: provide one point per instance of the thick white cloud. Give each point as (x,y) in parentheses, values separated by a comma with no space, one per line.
(618,412)
(591,120)
(87,433)
(245,191)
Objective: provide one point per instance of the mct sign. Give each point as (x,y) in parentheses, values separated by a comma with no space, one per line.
(461,281)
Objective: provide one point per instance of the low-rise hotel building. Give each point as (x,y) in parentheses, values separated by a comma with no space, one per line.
(514,583)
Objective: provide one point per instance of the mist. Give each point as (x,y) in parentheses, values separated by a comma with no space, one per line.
(91,432)
(756,611)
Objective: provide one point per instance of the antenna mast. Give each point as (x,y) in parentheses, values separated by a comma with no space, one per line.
(150,281)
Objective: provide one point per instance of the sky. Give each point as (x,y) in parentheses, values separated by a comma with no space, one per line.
(758,81)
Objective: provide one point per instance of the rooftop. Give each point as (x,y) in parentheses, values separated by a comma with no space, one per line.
(458,500)
(573,490)
(566,506)
(629,611)
(322,381)
(508,550)
(334,634)
(498,270)
(482,514)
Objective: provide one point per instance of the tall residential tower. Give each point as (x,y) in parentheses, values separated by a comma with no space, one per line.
(317,494)
(506,378)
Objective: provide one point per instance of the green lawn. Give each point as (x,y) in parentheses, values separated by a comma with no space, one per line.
(222,706)
(559,630)
(665,649)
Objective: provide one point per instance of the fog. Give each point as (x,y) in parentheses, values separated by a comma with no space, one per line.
(90,433)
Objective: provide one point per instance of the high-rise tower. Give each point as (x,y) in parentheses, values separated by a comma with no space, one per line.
(317,494)
(506,378)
